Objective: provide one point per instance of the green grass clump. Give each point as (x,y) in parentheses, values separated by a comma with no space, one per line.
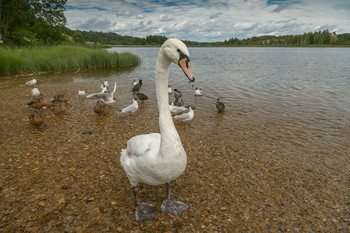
(60,58)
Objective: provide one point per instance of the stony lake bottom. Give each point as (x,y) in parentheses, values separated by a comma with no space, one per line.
(277,159)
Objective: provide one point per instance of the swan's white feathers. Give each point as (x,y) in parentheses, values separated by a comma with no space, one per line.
(155,158)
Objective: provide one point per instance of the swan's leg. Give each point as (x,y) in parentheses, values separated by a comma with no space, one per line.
(143,211)
(172,206)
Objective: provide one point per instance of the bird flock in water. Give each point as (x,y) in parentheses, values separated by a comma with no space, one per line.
(104,98)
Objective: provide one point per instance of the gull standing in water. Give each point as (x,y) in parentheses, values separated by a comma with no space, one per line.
(132,107)
(186,116)
(35,91)
(198,91)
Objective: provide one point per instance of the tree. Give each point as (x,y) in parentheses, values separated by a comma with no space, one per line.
(78,37)
(20,19)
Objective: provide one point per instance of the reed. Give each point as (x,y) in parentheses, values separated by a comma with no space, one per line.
(60,58)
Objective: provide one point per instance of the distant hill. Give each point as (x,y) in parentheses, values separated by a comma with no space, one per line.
(323,38)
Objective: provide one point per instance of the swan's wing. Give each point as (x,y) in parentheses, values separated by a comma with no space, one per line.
(96,96)
(144,144)
(112,93)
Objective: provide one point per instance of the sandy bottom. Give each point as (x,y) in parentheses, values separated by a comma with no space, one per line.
(67,177)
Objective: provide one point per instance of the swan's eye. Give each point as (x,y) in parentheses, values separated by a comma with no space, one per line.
(178,50)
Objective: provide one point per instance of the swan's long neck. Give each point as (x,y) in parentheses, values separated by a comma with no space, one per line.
(169,136)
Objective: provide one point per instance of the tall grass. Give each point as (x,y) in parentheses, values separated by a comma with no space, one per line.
(60,58)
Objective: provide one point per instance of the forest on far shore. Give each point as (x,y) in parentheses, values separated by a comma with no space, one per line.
(320,38)
(33,23)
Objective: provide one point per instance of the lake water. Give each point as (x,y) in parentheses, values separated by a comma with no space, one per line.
(296,95)
(277,159)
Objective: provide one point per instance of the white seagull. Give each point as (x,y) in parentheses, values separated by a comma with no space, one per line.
(175,109)
(81,93)
(169,89)
(35,91)
(132,107)
(198,91)
(31,82)
(186,116)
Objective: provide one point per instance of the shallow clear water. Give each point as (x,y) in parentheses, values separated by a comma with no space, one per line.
(295,95)
(277,158)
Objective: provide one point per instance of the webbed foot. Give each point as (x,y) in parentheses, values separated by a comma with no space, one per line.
(174,207)
(144,211)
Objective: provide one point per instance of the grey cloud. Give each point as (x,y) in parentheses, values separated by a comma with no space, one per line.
(123,13)
(328,27)
(140,16)
(96,24)
(280,8)
(215,15)
(165,17)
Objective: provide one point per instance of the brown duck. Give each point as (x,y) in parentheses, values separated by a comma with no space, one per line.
(37,102)
(101,108)
(35,119)
(60,98)
(57,107)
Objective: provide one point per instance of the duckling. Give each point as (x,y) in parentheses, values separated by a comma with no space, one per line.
(101,108)
(37,102)
(220,105)
(35,119)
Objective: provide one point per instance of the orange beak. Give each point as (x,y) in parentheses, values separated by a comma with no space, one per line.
(185,66)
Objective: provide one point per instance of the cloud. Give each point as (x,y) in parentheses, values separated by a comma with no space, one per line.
(123,13)
(280,8)
(203,20)
(215,15)
(165,17)
(140,16)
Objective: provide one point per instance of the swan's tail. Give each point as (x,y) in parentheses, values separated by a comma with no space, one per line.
(124,158)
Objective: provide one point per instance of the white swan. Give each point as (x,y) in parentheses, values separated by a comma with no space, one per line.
(175,109)
(35,91)
(132,107)
(155,158)
(186,116)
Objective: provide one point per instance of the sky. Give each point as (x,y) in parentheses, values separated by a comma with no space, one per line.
(208,20)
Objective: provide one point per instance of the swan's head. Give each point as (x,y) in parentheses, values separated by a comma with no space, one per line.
(178,53)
